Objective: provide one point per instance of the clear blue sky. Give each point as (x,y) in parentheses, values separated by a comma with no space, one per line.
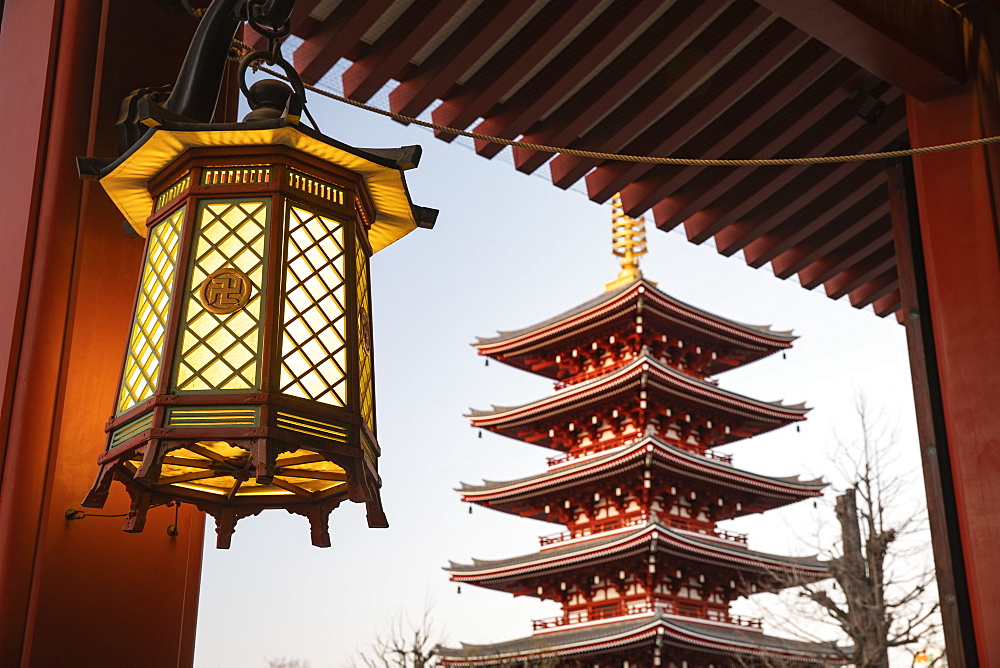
(510,250)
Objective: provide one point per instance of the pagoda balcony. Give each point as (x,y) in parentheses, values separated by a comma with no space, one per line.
(612,443)
(584,616)
(694,610)
(686,609)
(587,375)
(591,529)
(592,449)
(603,370)
(708,454)
(621,523)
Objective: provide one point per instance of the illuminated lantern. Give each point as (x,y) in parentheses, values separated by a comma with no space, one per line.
(248,380)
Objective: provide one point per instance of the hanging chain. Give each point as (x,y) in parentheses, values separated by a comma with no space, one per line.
(272,56)
(275,36)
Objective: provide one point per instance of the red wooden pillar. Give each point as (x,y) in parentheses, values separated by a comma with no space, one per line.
(76,593)
(959,241)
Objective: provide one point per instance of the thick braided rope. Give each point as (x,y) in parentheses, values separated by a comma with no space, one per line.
(645,159)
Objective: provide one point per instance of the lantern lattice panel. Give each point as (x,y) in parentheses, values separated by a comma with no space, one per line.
(220,351)
(142,366)
(364,335)
(314,337)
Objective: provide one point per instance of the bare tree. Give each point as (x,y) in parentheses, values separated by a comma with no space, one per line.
(403,645)
(882,593)
(284,662)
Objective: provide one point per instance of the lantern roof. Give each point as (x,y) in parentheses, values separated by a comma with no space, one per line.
(126,178)
(646,629)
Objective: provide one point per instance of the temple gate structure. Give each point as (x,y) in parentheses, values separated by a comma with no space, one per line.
(644,574)
(914,239)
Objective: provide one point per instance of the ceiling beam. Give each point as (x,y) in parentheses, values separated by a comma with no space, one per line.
(341,32)
(874,289)
(603,94)
(559,78)
(914,45)
(509,65)
(717,43)
(849,255)
(888,304)
(433,78)
(774,47)
(392,51)
(736,234)
(827,240)
(825,202)
(876,264)
(786,115)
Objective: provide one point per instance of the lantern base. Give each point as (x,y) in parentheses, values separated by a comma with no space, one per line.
(282,453)
(226,516)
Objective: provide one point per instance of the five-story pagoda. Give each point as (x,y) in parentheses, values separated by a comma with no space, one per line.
(644,575)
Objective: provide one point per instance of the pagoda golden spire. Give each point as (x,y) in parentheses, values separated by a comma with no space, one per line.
(628,242)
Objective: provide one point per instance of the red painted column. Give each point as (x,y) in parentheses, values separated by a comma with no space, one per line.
(959,229)
(76,593)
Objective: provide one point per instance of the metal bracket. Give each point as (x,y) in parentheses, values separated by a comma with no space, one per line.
(194,95)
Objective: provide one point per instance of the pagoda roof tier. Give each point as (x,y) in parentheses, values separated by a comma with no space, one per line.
(676,636)
(737,343)
(745,416)
(507,574)
(528,496)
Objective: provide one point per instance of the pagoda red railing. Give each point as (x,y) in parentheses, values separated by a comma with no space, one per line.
(592,449)
(604,370)
(732,536)
(601,612)
(602,446)
(609,525)
(725,459)
(690,373)
(592,529)
(579,378)
(691,609)
(698,611)
(593,373)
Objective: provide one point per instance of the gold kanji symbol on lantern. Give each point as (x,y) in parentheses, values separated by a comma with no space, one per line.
(225,290)
(365,325)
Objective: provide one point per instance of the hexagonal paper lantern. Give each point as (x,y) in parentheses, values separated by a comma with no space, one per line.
(248,380)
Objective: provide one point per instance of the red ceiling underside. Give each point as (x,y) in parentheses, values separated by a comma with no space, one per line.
(713,78)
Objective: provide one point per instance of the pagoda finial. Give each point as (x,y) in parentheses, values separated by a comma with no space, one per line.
(628,242)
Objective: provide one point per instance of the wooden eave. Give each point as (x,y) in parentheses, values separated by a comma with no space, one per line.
(617,634)
(715,78)
(602,548)
(578,325)
(537,490)
(645,373)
